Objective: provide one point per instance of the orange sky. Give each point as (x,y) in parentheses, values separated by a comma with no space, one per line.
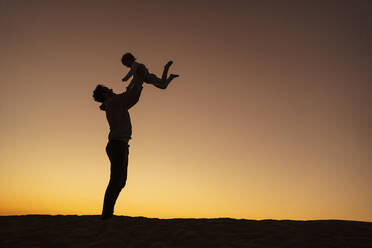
(270,117)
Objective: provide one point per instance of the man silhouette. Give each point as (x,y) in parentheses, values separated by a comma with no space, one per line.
(116,107)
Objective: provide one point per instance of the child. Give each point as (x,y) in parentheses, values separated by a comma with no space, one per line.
(130,61)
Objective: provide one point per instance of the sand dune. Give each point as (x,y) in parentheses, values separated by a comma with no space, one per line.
(120,231)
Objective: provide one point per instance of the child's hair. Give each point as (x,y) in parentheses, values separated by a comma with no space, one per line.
(98,93)
(128,57)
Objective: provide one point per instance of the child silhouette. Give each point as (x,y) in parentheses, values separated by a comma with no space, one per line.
(130,61)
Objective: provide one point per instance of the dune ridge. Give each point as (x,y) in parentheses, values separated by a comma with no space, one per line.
(122,231)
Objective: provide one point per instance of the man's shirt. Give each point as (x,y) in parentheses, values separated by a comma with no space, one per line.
(117,114)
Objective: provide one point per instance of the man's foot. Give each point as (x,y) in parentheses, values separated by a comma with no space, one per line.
(106,216)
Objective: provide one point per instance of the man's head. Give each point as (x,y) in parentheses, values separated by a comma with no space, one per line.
(101,93)
(128,59)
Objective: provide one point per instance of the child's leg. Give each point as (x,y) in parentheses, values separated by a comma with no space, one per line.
(154,80)
(164,81)
(165,71)
(164,78)
(171,77)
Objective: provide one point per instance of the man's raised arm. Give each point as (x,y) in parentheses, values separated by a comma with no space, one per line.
(133,93)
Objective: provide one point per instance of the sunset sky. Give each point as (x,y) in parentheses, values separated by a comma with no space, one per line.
(270,117)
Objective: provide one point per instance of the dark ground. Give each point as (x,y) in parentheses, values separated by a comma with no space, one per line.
(120,231)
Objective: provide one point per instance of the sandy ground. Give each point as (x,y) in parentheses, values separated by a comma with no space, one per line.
(120,231)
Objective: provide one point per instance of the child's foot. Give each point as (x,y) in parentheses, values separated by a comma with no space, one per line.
(169,63)
(171,76)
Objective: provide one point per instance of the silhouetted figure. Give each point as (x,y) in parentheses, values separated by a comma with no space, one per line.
(130,61)
(116,107)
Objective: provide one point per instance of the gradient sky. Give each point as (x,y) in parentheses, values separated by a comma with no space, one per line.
(270,117)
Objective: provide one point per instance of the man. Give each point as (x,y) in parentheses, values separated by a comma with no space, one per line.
(116,107)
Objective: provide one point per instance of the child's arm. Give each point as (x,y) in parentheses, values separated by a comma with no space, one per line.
(128,76)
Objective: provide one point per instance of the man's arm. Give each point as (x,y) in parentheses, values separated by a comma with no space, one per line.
(133,93)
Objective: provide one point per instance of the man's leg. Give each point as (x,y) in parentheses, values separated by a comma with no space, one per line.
(117,152)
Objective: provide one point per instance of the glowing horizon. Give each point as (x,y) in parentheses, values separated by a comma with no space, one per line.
(269,119)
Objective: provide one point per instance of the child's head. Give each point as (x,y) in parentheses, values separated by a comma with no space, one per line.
(128,59)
